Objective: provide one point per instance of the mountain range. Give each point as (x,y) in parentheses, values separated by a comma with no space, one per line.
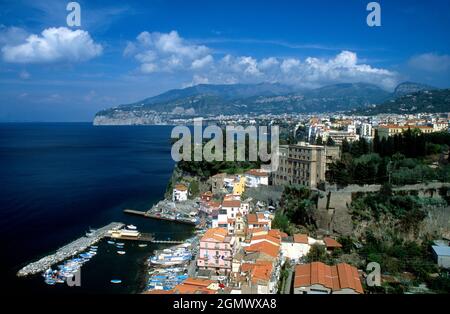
(275,98)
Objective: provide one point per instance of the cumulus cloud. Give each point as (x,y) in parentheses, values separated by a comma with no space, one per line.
(430,62)
(168,52)
(53,45)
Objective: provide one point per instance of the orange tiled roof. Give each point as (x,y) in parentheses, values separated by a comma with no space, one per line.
(276,233)
(301,238)
(252,219)
(338,277)
(231,203)
(256,230)
(198,282)
(268,238)
(215,234)
(264,247)
(213,204)
(259,271)
(331,243)
(181,187)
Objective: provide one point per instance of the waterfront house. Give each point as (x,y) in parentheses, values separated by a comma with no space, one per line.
(216,251)
(319,278)
(180,193)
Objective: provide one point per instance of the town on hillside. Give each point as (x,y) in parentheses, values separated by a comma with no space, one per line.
(357,205)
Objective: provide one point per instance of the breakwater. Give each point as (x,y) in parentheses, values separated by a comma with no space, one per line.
(68,250)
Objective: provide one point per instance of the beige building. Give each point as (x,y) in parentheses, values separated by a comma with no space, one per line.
(384,131)
(304,164)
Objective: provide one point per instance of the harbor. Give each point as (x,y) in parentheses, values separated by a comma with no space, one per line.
(171,266)
(69,250)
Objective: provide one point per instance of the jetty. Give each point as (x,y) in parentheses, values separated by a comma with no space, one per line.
(69,250)
(149,214)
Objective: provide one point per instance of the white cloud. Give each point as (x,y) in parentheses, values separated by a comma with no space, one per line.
(168,52)
(202,62)
(431,62)
(53,45)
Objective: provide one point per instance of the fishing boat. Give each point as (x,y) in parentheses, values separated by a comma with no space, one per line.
(116,281)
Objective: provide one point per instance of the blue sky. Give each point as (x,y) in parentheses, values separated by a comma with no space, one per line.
(125,51)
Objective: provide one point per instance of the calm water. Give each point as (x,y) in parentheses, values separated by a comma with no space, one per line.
(57,180)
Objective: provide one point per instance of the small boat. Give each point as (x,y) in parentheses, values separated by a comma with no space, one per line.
(120,243)
(121,252)
(116,281)
(132,227)
(142,245)
(111,242)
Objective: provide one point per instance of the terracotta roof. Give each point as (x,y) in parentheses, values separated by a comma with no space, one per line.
(331,243)
(215,234)
(213,204)
(257,230)
(259,271)
(338,277)
(264,247)
(181,187)
(301,238)
(252,219)
(231,203)
(276,233)
(267,238)
(198,282)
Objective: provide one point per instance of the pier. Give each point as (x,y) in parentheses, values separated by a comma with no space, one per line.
(68,250)
(148,214)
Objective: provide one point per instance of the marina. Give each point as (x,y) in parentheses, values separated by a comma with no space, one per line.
(69,250)
(170,267)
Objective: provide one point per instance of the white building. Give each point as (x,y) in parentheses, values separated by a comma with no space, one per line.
(297,247)
(255,178)
(180,193)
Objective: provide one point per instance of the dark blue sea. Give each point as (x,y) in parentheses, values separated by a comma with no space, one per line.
(59,179)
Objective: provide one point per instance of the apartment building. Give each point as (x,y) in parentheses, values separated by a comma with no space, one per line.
(216,251)
(304,164)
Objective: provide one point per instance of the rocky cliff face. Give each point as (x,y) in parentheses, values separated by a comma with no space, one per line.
(129,118)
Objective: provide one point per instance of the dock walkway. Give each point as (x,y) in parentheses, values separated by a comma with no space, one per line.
(148,214)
